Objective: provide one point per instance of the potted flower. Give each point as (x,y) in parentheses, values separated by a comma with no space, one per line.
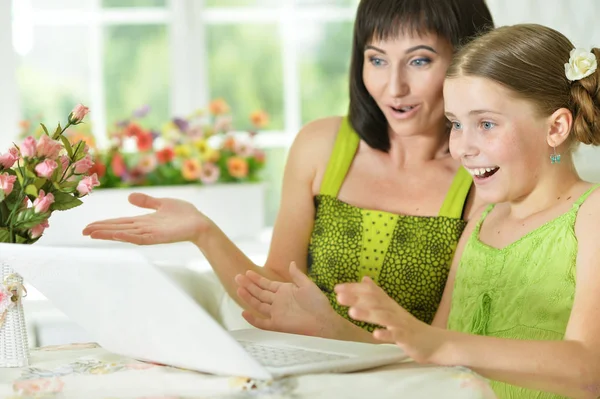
(37,178)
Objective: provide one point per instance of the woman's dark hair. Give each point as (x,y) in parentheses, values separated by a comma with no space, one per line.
(456,20)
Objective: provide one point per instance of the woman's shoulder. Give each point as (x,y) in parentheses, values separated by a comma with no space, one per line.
(314,142)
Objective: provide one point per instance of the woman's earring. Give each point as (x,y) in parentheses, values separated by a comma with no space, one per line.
(554,157)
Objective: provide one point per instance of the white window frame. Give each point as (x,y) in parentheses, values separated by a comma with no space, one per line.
(186,21)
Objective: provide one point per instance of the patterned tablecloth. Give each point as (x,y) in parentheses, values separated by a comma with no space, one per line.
(86,371)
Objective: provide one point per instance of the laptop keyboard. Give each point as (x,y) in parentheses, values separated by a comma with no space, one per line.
(277,356)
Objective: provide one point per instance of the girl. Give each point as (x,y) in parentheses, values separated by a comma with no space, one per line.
(521,302)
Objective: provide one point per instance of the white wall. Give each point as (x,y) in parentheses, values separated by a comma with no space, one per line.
(578,20)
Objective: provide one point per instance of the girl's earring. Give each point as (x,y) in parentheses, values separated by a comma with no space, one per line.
(554,157)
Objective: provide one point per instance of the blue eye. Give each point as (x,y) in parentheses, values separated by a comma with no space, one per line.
(487,125)
(420,61)
(456,125)
(376,61)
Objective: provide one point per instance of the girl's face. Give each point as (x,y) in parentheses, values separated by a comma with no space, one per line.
(405,77)
(500,139)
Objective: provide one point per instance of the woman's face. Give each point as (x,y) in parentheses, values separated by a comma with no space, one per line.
(405,77)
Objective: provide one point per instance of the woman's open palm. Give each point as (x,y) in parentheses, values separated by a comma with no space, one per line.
(173,221)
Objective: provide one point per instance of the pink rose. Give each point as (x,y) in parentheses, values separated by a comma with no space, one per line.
(8,160)
(64,162)
(38,230)
(46,168)
(84,164)
(87,184)
(78,113)
(48,148)
(28,147)
(42,202)
(7,183)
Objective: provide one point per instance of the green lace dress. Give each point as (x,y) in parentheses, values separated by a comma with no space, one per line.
(522,291)
(408,256)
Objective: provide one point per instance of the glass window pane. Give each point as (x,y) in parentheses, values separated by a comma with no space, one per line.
(242,3)
(134,3)
(324,57)
(245,70)
(53,73)
(273,176)
(136,72)
(58,4)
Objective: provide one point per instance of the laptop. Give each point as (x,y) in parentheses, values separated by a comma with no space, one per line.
(132,308)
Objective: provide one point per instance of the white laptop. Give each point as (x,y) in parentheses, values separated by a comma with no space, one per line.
(130,307)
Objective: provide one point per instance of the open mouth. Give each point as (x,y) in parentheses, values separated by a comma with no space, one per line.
(404,109)
(483,173)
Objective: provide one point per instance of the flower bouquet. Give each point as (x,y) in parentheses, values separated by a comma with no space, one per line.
(37,177)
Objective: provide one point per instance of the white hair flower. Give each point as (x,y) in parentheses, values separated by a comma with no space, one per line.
(581,63)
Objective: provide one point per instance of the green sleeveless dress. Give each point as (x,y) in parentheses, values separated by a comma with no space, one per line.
(408,256)
(522,291)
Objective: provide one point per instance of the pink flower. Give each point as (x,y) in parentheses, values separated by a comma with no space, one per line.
(48,148)
(8,160)
(87,184)
(84,164)
(147,164)
(42,202)
(64,162)
(210,173)
(38,386)
(46,168)
(37,231)
(28,147)
(243,148)
(5,299)
(78,113)
(7,183)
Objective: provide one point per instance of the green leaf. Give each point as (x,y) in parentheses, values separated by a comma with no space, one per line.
(39,182)
(45,130)
(4,235)
(64,201)
(67,145)
(31,190)
(19,176)
(2,196)
(29,219)
(57,132)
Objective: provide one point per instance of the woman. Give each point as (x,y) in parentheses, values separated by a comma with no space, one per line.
(375,194)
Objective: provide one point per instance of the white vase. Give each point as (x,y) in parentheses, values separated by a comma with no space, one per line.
(14,347)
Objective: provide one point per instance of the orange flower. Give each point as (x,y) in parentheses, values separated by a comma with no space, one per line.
(259,118)
(191,169)
(229,143)
(237,167)
(218,107)
(24,125)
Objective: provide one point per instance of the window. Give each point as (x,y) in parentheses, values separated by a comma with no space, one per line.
(287,57)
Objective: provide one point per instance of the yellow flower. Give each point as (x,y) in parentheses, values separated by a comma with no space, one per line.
(183,150)
(191,169)
(211,155)
(202,146)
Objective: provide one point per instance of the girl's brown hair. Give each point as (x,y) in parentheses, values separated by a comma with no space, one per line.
(530,60)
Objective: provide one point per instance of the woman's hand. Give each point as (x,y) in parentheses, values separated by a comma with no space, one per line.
(369,303)
(173,221)
(296,307)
